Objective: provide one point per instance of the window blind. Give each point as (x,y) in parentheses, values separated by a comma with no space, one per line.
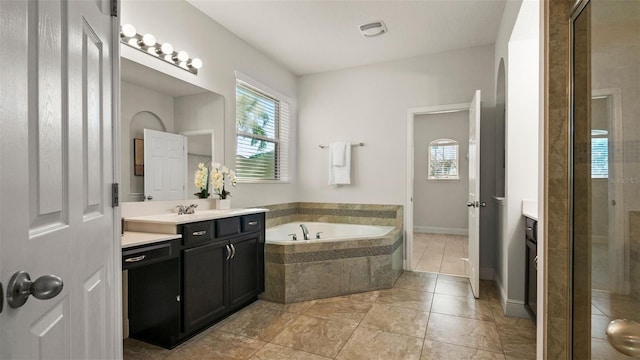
(262,129)
(599,157)
(443,159)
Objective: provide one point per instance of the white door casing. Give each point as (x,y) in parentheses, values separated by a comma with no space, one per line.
(474,203)
(165,163)
(56,171)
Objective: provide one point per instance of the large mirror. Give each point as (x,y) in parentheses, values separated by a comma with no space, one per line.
(170,108)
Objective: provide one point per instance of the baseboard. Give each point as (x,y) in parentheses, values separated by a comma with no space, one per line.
(516,308)
(440,230)
(486,273)
(510,307)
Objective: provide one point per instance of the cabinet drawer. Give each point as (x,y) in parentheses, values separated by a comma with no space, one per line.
(132,258)
(531,230)
(195,233)
(227,227)
(251,223)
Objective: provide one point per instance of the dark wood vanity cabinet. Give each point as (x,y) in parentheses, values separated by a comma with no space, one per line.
(224,273)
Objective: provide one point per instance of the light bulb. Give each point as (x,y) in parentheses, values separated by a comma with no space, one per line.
(128,30)
(195,63)
(147,40)
(182,56)
(166,49)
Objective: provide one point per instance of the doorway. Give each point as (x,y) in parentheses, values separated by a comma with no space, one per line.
(440,187)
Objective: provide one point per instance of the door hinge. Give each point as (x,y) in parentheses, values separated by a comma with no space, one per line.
(114,8)
(115,195)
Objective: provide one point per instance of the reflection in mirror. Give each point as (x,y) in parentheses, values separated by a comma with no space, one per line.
(200,145)
(157,101)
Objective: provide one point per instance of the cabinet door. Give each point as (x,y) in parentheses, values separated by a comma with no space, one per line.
(205,271)
(246,268)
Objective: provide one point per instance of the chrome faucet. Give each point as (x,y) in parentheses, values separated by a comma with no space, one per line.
(305,231)
(186,209)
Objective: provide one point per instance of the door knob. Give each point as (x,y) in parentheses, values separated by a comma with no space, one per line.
(624,336)
(471,204)
(20,287)
(149,197)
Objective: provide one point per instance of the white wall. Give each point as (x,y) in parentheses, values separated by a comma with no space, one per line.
(518,45)
(200,112)
(185,27)
(437,203)
(369,104)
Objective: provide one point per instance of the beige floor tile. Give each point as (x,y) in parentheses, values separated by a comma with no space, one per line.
(618,306)
(463,331)
(277,352)
(413,281)
(453,266)
(257,322)
(456,278)
(341,309)
(462,306)
(595,310)
(412,299)
(501,319)
(367,297)
(454,288)
(434,350)
(488,291)
(139,350)
(373,344)
(317,336)
(518,341)
(297,308)
(218,345)
(430,263)
(398,320)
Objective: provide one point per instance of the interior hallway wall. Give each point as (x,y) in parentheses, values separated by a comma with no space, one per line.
(369,104)
(438,204)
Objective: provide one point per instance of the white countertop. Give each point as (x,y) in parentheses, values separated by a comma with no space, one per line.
(175,219)
(132,238)
(530,209)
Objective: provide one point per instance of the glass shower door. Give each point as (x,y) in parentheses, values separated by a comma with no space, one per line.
(605,179)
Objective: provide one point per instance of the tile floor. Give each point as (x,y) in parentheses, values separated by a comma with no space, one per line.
(424,316)
(605,307)
(440,253)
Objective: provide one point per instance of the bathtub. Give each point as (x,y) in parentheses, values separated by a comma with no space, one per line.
(326,232)
(347,259)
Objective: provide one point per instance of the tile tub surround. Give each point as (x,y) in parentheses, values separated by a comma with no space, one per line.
(419,319)
(309,271)
(363,214)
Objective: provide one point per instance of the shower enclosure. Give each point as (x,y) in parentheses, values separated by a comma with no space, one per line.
(605,178)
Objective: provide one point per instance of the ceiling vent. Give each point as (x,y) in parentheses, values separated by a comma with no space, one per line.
(373,29)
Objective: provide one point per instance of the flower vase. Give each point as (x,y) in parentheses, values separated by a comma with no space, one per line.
(223,204)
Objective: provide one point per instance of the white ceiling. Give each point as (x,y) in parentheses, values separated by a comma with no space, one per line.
(316,36)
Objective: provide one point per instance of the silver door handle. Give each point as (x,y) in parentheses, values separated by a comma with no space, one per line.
(253,223)
(228,252)
(233,253)
(535,262)
(624,336)
(471,204)
(20,287)
(199,233)
(135,259)
(149,197)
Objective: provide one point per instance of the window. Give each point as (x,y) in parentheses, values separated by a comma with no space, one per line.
(443,160)
(599,154)
(262,129)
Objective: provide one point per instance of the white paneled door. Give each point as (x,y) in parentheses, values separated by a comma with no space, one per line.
(165,163)
(474,203)
(56,171)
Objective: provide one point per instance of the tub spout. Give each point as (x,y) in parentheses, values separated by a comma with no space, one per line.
(305,231)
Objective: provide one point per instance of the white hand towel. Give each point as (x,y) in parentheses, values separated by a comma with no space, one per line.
(337,153)
(340,175)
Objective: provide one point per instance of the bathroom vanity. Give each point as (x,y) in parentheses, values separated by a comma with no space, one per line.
(212,267)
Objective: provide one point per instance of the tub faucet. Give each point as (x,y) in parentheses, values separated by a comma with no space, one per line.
(305,231)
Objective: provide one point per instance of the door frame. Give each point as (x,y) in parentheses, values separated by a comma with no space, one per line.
(408,206)
(116,154)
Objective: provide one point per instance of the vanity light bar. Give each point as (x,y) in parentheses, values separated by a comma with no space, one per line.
(147,43)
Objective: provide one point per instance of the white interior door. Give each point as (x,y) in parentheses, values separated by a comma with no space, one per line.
(474,203)
(165,163)
(55,185)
